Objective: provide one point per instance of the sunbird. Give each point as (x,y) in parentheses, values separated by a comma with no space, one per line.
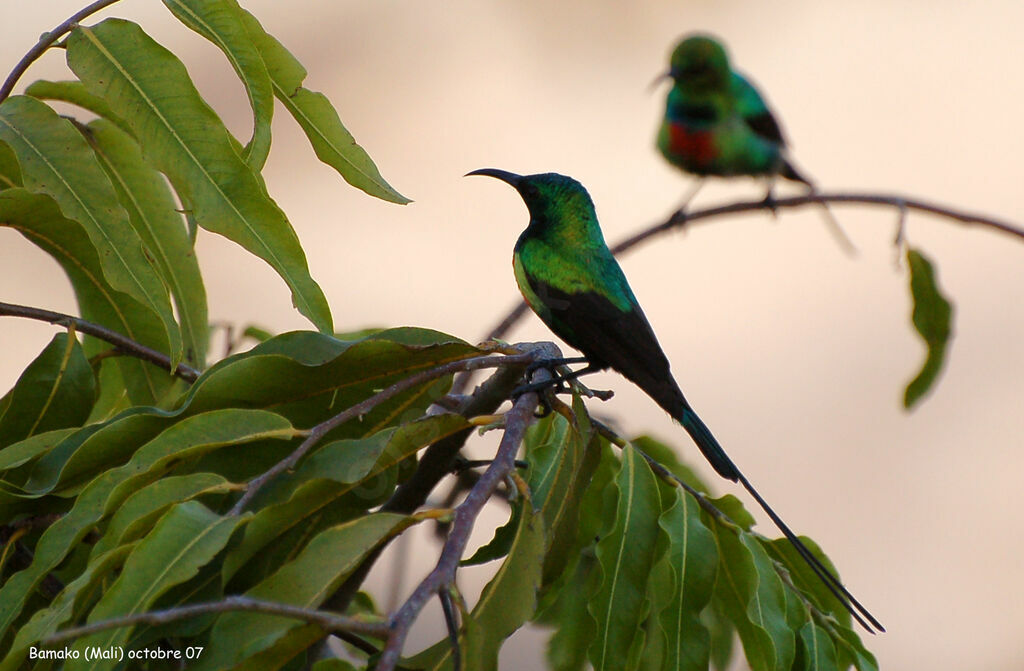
(716,123)
(570,278)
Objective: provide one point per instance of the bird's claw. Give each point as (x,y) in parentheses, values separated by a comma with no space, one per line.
(770,202)
(542,389)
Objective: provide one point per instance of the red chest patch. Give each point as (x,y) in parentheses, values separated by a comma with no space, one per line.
(696,148)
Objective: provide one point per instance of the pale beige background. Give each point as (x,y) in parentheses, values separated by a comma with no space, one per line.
(795,354)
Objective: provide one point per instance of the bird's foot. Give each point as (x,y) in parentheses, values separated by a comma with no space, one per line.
(558,378)
(557,384)
(681,215)
(542,389)
(551,364)
(680,218)
(770,203)
(599,394)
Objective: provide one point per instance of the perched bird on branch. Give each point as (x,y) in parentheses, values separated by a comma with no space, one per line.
(716,123)
(569,277)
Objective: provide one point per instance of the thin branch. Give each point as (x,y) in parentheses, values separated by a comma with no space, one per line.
(47,40)
(320,430)
(328,621)
(123,343)
(516,421)
(681,219)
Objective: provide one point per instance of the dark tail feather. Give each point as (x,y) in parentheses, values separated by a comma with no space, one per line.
(790,172)
(709,447)
(721,462)
(849,602)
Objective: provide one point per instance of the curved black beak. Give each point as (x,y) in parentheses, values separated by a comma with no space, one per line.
(508,177)
(659,79)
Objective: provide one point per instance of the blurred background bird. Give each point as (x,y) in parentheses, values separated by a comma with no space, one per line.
(717,123)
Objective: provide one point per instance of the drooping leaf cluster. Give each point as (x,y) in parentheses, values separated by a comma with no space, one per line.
(632,572)
(140,501)
(113,200)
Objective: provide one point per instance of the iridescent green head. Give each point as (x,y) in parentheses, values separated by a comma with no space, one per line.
(553,200)
(699,64)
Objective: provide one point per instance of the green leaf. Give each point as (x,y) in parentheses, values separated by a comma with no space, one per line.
(56,161)
(23,451)
(818,651)
(10,171)
(112,391)
(734,510)
(850,651)
(39,219)
(562,458)
(286,652)
(500,543)
(625,553)
(184,539)
(256,333)
(55,391)
(691,563)
(92,450)
(803,577)
(220,22)
(932,316)
(75,93)
(140,510)
(510,598)
(153,213)
(306,581)
(669,458)
(754,599)
(183,138)
(333,144)
(567,648)
(723,634)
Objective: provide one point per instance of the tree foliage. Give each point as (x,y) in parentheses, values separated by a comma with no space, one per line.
(127,488)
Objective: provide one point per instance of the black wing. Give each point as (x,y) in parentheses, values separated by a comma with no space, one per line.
(765,125)
(610,337)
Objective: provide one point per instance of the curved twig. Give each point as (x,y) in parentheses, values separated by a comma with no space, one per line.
(122,343)
(516,421)
(46,41)
(328,621)
(680,219)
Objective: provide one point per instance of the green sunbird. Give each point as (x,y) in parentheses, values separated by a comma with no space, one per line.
(717,123)
(570,278)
